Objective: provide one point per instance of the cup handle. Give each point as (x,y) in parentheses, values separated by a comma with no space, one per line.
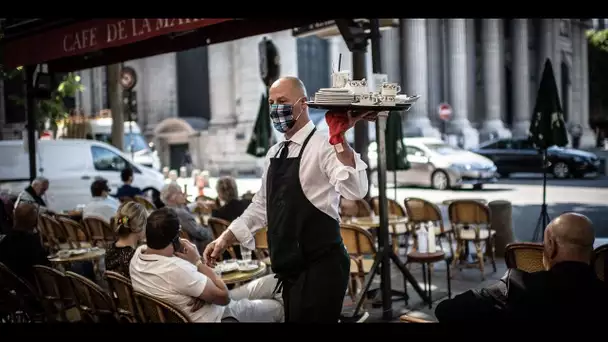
(398,89)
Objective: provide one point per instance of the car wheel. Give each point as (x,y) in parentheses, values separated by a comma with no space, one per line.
(477,186)
(561,170)
(440,180)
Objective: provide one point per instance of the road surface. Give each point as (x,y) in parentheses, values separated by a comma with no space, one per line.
(587,196)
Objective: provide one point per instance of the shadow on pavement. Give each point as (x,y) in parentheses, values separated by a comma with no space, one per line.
(525,217)
(467,188)
(588,182)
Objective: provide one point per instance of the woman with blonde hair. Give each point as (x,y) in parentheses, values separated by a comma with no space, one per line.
(130,223)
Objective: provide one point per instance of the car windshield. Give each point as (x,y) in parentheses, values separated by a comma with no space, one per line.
(139,143)
(443,149)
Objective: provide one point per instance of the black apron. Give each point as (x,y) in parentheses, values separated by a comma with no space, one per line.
(306,249)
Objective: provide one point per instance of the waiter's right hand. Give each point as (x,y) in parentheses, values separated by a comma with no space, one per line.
(214,250)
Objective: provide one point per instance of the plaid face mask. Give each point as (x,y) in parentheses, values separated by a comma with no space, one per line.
(282,117)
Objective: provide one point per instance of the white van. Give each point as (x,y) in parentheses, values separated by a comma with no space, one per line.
(142,154)
(71,166)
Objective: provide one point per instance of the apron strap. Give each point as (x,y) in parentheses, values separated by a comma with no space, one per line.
(306,141)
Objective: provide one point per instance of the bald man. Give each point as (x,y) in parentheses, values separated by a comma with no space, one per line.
(33,193)
(302,183)
(567,289)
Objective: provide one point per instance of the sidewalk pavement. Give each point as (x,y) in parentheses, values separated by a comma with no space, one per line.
(461,281)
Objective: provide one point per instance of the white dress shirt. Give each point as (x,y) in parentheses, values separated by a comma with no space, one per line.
(323,177)
(103,208)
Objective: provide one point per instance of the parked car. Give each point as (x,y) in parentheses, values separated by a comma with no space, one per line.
(439,165)
(519,155)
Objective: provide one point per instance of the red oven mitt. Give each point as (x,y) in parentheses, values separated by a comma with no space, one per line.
(338,124)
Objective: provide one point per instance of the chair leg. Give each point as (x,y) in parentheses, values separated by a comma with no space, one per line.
(492,242)
(447,264)
(479,252)
(449,237)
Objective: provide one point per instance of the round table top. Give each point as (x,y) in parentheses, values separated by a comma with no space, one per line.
(92,254)
(374,222)
(239,277)
(425,257)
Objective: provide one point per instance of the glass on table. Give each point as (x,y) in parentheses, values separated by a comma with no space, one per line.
(245,257)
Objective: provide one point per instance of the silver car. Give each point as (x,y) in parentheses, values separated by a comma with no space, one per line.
(439,165)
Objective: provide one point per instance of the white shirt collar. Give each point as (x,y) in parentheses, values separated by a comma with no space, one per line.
(303,133)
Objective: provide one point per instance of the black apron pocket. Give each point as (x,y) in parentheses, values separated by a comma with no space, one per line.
(285,254)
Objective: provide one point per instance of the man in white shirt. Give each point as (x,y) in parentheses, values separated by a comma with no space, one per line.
(102,206)
(182,279)
(299,202)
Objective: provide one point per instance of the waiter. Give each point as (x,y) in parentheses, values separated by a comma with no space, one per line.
(299,202)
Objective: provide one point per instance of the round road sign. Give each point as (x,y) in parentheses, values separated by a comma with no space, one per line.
(445,111)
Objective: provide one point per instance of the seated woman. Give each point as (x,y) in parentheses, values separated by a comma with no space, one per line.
(131,221)
(22,248)
(231,206)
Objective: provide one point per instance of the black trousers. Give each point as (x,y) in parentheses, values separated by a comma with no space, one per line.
(317,294)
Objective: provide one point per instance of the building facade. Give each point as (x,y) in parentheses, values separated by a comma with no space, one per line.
(206,99)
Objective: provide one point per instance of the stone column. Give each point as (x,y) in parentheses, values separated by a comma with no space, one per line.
(492,45)
(588,138)
(459,78)
(390,54)
(557,58)
(574,116)
(546,46)
(416,81)
(435,68)
(521,79)
(472,70)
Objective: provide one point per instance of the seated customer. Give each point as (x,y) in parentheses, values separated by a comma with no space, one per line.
(22,248)
(102,206)
(174,198)
(182,279)
(130,229)
(33,194)
(567,289)
(127,190)
(228,194)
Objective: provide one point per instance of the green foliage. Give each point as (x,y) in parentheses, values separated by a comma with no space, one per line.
(53,109)
(598,39)
(598,69)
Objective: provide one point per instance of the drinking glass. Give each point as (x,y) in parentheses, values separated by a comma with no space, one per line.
(245,255)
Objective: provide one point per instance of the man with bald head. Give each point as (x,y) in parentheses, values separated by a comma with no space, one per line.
(33,193)
(302,183)
(567,289)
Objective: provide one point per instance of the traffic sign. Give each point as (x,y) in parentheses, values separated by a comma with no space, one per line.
(445,111)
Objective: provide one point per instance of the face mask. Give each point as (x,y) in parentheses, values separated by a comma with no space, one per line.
(282,116)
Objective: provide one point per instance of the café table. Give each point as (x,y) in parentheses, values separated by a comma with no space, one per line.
(374,222)
(93,255)
(236,277)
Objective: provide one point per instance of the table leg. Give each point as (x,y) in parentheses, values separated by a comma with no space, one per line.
(447,261)
(428,269)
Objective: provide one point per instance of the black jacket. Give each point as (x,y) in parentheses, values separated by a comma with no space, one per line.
(20,250)
(570,290)
(231,210)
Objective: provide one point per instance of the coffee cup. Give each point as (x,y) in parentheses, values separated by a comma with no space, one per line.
(340,79)
(386,100)
(368,99)
(357,87)
(390,88)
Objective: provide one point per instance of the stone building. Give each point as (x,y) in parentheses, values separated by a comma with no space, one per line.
(206,99)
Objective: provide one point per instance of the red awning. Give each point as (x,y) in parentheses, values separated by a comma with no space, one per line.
(105,41)
(89,36)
